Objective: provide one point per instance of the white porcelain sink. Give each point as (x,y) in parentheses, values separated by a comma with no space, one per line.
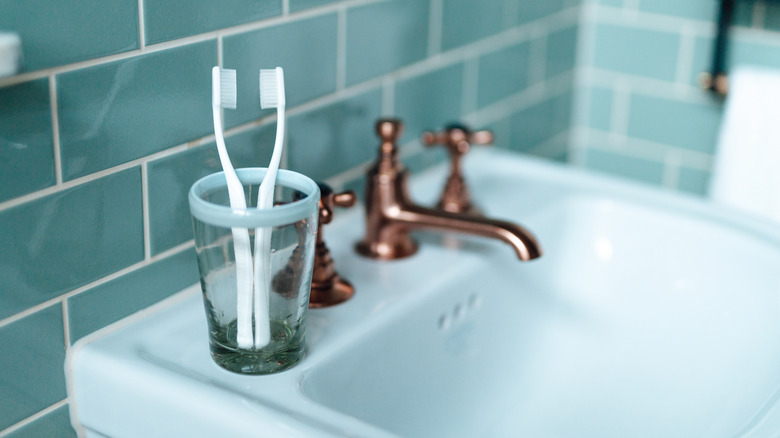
(649,315)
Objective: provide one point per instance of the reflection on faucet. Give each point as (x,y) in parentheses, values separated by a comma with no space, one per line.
(390,215)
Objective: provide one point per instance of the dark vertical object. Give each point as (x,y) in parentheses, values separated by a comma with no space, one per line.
(717,81)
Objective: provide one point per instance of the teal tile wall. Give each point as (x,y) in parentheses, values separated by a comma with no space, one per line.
(57,33)
(26,143)
(391,34)
(166,20)
(109,123)
(641,96)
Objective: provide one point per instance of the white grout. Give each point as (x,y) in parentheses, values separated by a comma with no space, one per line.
(55,129)
(141,25)
(145,211)
(16,427)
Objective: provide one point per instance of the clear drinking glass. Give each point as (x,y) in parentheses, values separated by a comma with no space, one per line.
(292,223)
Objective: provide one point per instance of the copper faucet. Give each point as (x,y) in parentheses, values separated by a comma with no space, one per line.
(458,139)
(390,214)
(328,288)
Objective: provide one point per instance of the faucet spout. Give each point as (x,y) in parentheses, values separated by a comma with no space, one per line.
(521,240)
(390,214)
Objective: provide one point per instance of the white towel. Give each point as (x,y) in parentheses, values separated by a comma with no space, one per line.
(746,173)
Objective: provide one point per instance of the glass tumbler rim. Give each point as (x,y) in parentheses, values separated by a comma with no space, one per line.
(226,216)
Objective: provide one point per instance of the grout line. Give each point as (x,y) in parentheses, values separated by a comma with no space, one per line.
(470,96)
(100,281)
(285,7)
(435,27)
(671,174)
(341,49)
(55,129)
(17,426)
(141,25)
(496,42)
(621,103)
(220,56)
(66,322)
(648,150)
(145,211)
(685,56)
(207,36)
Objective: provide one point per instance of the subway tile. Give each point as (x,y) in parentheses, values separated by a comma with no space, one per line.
(534,10)
(299,5)
(600,108)
(166,20)
(424,159)
(540,122)
(688,125)
(329,140)
(694,181)
(502,132)
(636,51)
(741,51)
(772,16)
(31,373)
(503,73)
(26,142)
(308,57)
(117,112)
(752,52)
(625,166)
(385,36)
(429,101)
(170,179)
(466,21)
(70,238)
(102,305)
(54,424)
(56,33)
(703,10)
(743,14)
(612,3)
(561,51)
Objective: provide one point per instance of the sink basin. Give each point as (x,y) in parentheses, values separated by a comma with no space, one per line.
(650,314)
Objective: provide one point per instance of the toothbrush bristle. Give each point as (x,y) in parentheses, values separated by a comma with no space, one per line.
(228,93)
(271,88)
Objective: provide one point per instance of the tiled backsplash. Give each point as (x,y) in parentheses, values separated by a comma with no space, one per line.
(109,124)
(639,111)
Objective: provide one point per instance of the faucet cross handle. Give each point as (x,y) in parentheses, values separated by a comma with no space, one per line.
(457,139)
(327,286)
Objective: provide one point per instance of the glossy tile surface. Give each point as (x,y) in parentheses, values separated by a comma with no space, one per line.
(466,21)
(561,51)
(385,36)
(326,141)
(31,366)
(692,126)
(619,50)
(308,57)
(166,20)
(117,112)
(102,305)
(626,166)
(540,122)
(65,240)
(170,179)
(57,33)
(26,142)
(429,101)
(299,5)
(503,73)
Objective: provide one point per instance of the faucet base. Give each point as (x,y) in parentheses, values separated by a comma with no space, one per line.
(387,251)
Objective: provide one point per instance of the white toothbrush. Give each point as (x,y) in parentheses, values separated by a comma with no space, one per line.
(271,96)
(223,95)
